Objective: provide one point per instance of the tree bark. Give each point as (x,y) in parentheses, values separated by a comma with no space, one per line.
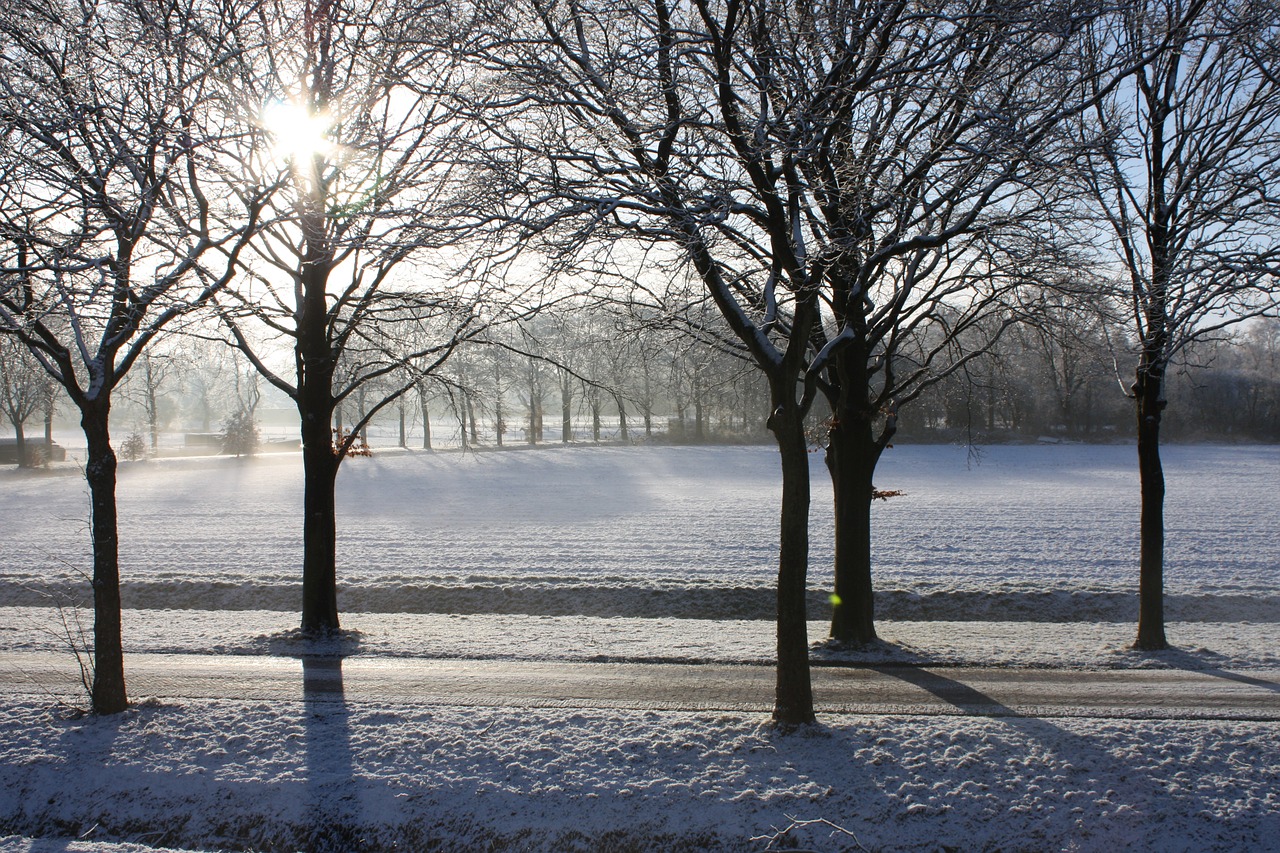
(319,530)
(793,695)
(623,435)
(853,451)
(316,408)
(1150,405)
(20,444)
(426,426)
(566,410)
(851,457)
(108,691)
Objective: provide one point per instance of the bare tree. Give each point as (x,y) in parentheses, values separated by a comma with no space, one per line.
(23,390)
(145,388)
(815,165)
(929,203)
(1186,189)
(111,158)
(351,92)
(1067,341)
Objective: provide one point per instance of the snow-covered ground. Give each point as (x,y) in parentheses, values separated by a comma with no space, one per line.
(1024,559)
(1028,532)
(345,776)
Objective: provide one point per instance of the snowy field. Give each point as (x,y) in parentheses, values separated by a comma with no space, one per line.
(1027,558)
(1027,532)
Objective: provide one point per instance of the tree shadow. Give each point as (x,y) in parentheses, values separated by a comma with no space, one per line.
(878,652)
(332,798)
(966,699)
(1176,658)
(1046,767)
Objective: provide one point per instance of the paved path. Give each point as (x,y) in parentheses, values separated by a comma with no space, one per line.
(1154,694)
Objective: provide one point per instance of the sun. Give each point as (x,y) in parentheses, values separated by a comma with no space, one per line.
(298,133)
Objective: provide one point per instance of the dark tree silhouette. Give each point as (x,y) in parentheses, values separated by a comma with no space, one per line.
(350,92)
(111,159)
(815,166)
(1185,187)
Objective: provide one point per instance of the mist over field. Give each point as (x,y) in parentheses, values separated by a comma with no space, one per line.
(1004,532)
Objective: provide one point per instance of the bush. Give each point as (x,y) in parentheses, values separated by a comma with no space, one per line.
(133,448)
(240,435)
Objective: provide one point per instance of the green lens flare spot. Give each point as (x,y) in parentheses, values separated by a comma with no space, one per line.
(835,600)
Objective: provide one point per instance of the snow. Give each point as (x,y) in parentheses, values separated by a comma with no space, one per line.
(1027,533)
(1070,645)
(1026,558)
(339,776)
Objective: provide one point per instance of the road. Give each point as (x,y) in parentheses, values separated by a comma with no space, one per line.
(1128,694)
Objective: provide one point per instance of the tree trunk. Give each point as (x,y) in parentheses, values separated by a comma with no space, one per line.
(1150,405)
(793,696)
(20,444)
(319,530)
(108,693)
(471,417)
(851,457)
(533,416)
(622,421)
(153,411)
(426,426)
(403,443)
(319,464)
(362,409)
(566,410)
(499,425)
(648,407)
(153,420)
(853,451)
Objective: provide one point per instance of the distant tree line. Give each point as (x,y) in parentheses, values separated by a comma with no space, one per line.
(610,381)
